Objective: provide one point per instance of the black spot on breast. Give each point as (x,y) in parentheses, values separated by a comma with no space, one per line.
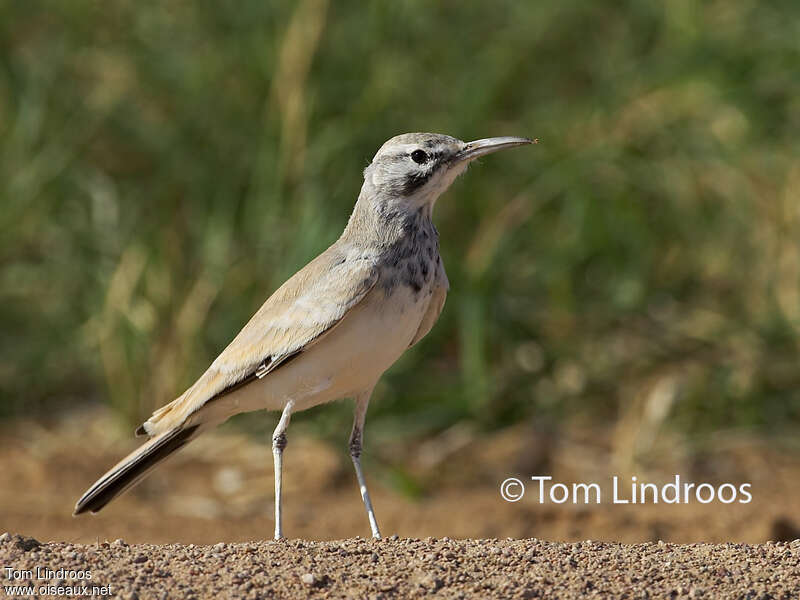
(406,252)
(411,259)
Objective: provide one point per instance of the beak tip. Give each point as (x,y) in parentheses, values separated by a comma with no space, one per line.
(485,146)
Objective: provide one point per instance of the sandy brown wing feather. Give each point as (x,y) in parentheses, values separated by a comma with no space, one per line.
(296,316)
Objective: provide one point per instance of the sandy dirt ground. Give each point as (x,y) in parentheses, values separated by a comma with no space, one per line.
(219,488)
(407,568)
(196,528)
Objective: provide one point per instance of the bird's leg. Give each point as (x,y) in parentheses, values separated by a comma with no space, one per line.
(362,400)
(278,444)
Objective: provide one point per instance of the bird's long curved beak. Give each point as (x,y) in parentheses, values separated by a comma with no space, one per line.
(478,148)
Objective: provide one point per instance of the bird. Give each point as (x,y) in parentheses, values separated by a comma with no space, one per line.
(333,328)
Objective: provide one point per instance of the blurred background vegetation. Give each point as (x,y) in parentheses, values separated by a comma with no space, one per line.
(165,166)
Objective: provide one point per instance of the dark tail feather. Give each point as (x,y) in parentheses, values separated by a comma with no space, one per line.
(132,468)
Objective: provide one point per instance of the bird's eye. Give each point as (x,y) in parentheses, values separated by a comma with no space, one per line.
(419,156)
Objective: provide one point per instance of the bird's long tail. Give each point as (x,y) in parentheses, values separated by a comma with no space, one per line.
(131,469)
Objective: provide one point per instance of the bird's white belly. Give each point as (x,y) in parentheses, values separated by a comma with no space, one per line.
(347,360)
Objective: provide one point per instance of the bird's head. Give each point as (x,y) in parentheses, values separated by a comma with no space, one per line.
(413,169)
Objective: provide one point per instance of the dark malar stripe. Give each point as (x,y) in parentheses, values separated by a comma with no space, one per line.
(414,181)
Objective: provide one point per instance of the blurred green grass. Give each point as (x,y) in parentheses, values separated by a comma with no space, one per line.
(165,166)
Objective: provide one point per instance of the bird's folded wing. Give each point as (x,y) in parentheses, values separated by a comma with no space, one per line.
(297,315)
